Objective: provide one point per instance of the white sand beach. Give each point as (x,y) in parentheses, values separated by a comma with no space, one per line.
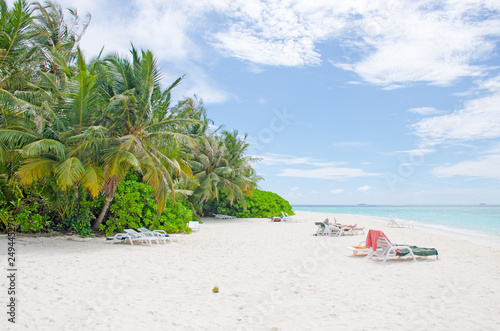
(272,276)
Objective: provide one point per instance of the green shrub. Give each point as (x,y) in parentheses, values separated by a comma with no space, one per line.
(30,220)
(134,206)
(262,204)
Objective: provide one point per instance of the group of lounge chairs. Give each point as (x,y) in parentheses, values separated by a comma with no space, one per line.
(221,216)
(337,229)
(376,245)
(144,236)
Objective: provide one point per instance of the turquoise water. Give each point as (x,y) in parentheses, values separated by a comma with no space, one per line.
(479,218)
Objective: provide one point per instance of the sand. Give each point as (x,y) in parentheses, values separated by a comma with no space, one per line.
(271,276)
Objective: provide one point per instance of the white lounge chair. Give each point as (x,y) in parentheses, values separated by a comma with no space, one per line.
(194,225)
(356,229)
(385,249)
(221,216)
(393,223)
(360,249)
(288,218)
(160,234)
(123,237)
(322,229)
(332,230)
(342,230)
(136,236)
(172,236)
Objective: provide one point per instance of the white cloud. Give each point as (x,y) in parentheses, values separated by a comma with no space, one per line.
(495,149)
(335,173)
(418,151)
(270,33)
(199,83)
(484,167)
(387,43)
(167,28)
(426,111)
(240,43)
(337,191)
(282,159)
(479,119)
(276,159)
(365,188)
(402,46)
(322,170)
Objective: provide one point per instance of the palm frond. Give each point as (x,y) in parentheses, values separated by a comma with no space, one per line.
(69,172)
(93,180)
(118,162)
(43,146)
(16,136)
(35,169)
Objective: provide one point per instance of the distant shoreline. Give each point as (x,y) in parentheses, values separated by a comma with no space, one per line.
(474,233)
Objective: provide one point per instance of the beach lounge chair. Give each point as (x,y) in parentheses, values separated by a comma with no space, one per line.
(288,218)
(358,230)
(137,236)
(172,236)
(393,223)
(222,216)
(194,225)
(119,237)
(331,229)
(322,229)
(360,249)
(160,234)
(123,237)
(382,247)
(355,229)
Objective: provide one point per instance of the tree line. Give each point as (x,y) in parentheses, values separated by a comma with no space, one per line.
(72,130)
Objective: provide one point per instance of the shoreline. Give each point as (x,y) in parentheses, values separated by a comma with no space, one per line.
(475,231)
(271,275)
(379,223)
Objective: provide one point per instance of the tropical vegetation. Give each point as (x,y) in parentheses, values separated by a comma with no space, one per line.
(98,144)
(261,204)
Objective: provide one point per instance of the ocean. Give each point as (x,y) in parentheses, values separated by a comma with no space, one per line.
(477,219)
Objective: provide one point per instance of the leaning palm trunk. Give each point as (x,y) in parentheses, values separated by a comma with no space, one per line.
(109,198)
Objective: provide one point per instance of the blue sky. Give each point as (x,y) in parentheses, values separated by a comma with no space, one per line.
(346,102)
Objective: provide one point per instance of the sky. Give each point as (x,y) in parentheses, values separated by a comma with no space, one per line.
(345,102)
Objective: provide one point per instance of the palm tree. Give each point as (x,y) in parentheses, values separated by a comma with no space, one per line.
(16,44)
(221,167)
(64,147)
(40,105)
(143,128)
(58,35)
(239,161)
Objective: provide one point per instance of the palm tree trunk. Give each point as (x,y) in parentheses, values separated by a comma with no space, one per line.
(109,198)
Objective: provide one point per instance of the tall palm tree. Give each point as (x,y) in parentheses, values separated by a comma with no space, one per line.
(65,146)
(39,106)
(18,54)
(239,161)
(221,167)
(143,128)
